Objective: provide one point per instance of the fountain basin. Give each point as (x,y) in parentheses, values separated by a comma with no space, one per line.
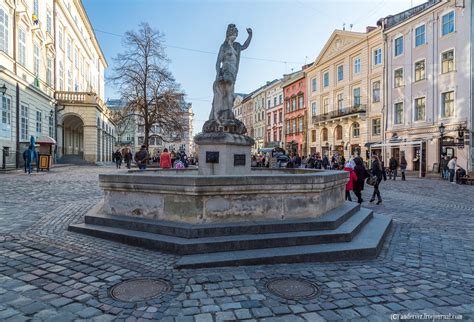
(184,196)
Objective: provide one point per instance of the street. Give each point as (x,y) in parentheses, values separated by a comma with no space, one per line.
(48,273)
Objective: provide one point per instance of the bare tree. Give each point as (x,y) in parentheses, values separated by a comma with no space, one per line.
(150,93)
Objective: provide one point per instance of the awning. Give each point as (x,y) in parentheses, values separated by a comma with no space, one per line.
(44,139)
(368,144)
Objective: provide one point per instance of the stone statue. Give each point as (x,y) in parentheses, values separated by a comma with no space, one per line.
(222,118)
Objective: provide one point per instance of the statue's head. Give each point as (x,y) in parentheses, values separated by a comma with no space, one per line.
(232,32)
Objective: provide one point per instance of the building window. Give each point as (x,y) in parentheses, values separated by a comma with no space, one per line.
(324,134)
(49,24)
(275,118)
(275,101)
(23,122)
(420,36)
(76,58)
(419,70)
(313,136)
(69,48)
(288,127)
(338,132)
(269,103)
(69,80)
(376,127)
(355,130)
(398,46)
(288,106)
(313,85)
(35,8)
(269,119)
(60,38)
(293,104)
(325,105)
(378,56)
(49,66)
(61,76)
(36,60)
(39,120)
(51,126)
(448,23)
(356,92)
(357,66)
(313,108)
(300,102)
(21,47)
(447,104)
(376,91)
(326,79)
(398,116)
(340,101)
(4,30)
(420,109)
(447,61)
(398,79)
(281,99)
(280,116)
(340,73)
(300,125)
(294,126)
(6,110)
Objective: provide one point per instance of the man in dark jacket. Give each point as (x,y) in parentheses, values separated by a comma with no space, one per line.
(361,173)
(141,158)
(393,165)
(325,162)
(376,170)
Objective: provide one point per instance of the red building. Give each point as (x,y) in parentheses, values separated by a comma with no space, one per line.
(294,92)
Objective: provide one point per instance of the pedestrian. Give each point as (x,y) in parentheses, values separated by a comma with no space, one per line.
(165,159)
(325,162)
(403,167)
(349,167)
(376,170)
(297,162)
(127,157)
(444,167)
(393,165)
(384,171)
(141,158)
(118,159)
(361,173)
(452,168)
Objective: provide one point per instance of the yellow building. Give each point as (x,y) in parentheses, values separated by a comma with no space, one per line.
(344,88)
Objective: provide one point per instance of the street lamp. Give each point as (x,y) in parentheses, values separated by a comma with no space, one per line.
(441,129)
(3,89)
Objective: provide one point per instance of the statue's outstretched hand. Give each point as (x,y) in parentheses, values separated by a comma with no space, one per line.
(249,31)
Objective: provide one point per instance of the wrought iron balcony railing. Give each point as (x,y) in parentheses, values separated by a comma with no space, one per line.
(339,113)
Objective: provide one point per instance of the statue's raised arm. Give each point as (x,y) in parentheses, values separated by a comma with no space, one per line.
(249,38)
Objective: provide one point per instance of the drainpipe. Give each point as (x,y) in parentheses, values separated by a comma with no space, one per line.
(17,107)
(385,106)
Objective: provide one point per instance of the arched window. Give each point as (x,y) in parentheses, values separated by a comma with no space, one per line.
(355,130)
(338,132)
(324,134)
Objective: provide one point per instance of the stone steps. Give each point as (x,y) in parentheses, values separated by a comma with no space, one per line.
(365,245)
(184,246)
(331,220)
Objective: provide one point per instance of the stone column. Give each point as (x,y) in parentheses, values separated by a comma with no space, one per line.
(90,143)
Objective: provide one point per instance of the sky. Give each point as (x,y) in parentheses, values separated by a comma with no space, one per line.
(286,35)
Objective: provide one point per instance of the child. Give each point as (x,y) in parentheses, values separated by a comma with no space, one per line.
(349,167)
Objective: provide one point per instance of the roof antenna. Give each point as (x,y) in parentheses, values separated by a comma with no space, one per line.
(344,26)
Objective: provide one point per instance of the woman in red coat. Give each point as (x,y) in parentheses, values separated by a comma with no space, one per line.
(349,167)
(165,159)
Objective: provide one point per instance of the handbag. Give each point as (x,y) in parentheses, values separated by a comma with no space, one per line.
(372,180)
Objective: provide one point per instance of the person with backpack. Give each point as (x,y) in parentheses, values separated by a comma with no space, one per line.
(403,167)
(118,159)
(141,158)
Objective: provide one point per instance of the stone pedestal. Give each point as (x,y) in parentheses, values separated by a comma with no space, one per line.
(223,153)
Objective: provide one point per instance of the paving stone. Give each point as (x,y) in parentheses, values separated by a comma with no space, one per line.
(261,312)
(203,318)
(243,314)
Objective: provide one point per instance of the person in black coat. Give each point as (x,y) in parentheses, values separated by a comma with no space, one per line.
(377,171)
(362,174)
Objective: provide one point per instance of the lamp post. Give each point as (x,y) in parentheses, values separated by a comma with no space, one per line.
(3,89)
(441,129)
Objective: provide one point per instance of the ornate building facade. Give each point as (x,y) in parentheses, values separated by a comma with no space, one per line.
(274,118)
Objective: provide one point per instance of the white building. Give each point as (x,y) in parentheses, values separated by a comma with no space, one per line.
(53,69)
(274,119)
(429,82)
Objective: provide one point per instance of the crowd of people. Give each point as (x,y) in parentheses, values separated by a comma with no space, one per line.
(142,158)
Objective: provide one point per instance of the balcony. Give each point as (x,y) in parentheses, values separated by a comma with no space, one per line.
(65,98)
(347,111)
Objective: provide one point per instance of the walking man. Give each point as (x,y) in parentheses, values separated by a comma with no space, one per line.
(393,165)
(452,168)
(141,158)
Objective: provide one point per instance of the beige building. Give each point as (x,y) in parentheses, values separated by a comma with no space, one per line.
(53,69)
(344,88)
(259,130)
(429,58)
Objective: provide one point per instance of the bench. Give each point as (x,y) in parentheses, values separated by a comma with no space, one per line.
(468,178)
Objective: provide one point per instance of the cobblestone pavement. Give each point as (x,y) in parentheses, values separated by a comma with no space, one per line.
(48,273)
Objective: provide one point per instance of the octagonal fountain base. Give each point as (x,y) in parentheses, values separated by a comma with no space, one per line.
(269,216)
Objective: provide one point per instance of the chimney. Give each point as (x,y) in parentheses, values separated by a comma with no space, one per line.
(369,29)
